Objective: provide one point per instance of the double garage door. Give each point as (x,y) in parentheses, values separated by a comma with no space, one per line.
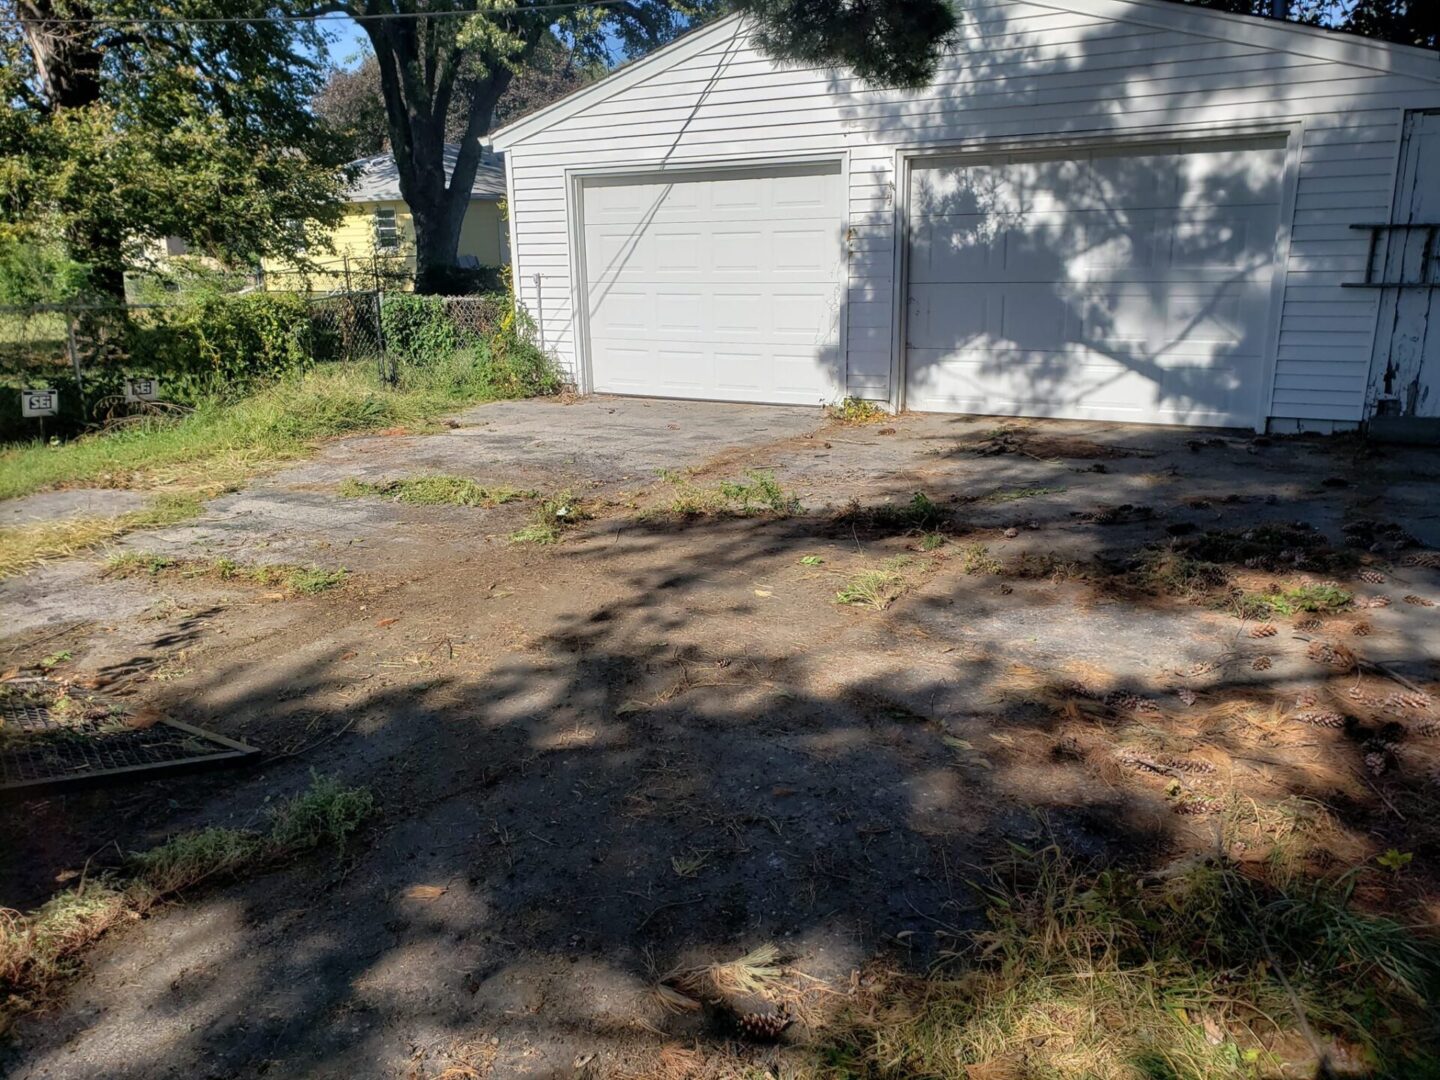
(1110,284)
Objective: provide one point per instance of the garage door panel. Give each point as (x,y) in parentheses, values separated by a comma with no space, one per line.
(723,286)
(1071,383)
(1119,284)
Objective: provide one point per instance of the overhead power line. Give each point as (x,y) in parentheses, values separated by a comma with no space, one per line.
(260,20)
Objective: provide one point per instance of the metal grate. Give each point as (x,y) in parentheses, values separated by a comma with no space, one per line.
(40,754)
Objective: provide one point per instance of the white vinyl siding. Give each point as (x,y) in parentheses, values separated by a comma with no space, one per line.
(1020,71)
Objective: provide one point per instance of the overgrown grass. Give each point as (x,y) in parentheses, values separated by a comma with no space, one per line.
(25,546)
(1196,972)
(295,580)
(223,442)
(976,559)
(758,493)
(920,514)
(855,410)
(433,490)
(39,950)
(552,517)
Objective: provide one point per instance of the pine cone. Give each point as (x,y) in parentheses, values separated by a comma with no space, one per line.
(1264,630)
(1374,577)
(1418,601)
(1430,559)
(1261,663)
(765,1027)
(1142,762)
(1374,602)
(1360,629)
(1429,729)
(1188,765)
(1319,718)
(1195,807)
(1376,762)
(1186,695)
(1307,624)
(1415,702)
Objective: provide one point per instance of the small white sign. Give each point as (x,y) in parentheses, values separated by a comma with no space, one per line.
(39,402)
(141,389)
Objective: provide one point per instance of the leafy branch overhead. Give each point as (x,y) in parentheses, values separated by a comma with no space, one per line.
(122,132)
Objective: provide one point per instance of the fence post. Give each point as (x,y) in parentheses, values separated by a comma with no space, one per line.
(385,375)
(74,363)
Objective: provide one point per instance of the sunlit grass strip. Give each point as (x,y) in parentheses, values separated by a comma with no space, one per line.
(23,547)
(39,950)
(295,580)
(433,490)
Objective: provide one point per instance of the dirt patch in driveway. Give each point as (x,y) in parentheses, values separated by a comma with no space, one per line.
(664,741)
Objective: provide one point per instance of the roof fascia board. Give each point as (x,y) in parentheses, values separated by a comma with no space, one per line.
(1311,41)
(631,74)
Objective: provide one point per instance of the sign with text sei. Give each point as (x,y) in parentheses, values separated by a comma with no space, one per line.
(39,402)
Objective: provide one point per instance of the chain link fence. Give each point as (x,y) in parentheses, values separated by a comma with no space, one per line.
(98,362)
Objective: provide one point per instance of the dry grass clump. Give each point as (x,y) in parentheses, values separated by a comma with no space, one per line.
(40,949)
(1195,971)
(554,515)
(23,547)
(292,580)
(758,493)
(855,410)
(433,490)
(876,589)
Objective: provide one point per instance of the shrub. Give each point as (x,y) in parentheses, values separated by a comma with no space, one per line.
(220,343)
(418,330)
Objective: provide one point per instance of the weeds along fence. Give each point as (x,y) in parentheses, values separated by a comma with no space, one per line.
(104,363)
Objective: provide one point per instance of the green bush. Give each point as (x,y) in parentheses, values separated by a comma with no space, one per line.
(223,343)
(418,330)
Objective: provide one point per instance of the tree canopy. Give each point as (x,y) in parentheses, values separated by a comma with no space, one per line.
(124,129)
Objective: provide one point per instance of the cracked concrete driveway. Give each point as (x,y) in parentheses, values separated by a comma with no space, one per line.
(663,738)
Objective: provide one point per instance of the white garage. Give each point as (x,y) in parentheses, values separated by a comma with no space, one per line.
(1128,210)
(721,285)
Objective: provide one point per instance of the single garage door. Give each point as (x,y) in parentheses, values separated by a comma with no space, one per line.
(1115,285)
(718,285)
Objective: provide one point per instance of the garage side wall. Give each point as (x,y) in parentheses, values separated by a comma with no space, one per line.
(1019,72)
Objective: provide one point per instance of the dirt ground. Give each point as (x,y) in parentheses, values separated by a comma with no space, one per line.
(663,740)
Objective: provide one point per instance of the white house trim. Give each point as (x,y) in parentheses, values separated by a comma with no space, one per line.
(617,82)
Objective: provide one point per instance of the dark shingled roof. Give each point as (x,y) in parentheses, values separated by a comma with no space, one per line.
(379,179)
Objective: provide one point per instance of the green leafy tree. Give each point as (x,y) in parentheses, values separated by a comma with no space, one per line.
(125,127)
(427,64)
(352,101)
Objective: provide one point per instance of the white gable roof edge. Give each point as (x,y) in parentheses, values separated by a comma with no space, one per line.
(1281,36)
(1314,42)
(684,47)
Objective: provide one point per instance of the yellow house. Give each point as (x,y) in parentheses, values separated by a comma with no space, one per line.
(376,239)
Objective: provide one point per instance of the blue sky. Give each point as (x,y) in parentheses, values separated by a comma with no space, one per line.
(347,41)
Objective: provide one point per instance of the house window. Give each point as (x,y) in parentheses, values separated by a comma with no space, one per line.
(387,235)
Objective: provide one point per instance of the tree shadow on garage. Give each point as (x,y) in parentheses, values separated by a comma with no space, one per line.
(1103,279)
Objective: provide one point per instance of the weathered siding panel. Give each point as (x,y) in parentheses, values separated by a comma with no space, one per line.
(1019,70)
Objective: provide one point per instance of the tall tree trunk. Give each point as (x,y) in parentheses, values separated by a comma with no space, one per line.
(437,255)
(67,64)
